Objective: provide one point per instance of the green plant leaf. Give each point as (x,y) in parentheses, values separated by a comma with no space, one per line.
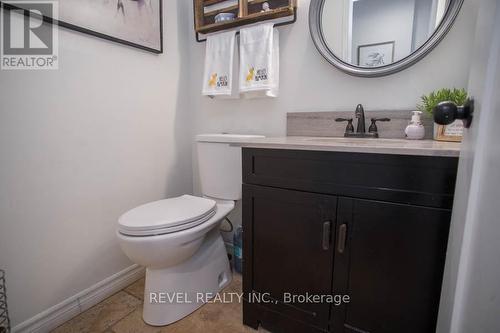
(429,102)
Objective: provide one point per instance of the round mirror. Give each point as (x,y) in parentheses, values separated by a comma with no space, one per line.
(379,37)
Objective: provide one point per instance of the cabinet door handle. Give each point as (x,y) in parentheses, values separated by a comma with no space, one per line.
(327,226)
(342,238)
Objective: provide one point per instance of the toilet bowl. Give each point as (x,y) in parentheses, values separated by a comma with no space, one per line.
(180,265)
(178,239)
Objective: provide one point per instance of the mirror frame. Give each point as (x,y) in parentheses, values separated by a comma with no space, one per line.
(315,27)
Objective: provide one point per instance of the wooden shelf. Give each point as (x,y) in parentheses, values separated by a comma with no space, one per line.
(248,19)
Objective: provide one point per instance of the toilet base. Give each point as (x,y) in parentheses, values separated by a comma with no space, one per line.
(172,293)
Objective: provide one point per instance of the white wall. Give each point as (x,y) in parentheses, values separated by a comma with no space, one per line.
(309,83)
(79,146)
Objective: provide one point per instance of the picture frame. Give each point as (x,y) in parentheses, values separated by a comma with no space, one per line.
(157,48)
(451,133)
(376,54)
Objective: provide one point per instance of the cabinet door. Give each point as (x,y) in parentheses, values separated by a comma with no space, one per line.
(288,248)
(391,267)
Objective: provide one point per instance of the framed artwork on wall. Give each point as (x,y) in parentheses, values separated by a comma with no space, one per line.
(376,55)
(136,23)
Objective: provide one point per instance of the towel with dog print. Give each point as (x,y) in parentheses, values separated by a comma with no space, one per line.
(219,56)
(259,61)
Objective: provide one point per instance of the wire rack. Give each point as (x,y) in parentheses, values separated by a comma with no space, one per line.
(4,313)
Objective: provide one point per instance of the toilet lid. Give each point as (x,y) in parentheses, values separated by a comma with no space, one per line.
(167,215)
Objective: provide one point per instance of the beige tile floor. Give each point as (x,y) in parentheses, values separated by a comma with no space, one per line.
(122,313)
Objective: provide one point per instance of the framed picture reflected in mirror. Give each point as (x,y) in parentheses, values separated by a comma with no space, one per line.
(376,55)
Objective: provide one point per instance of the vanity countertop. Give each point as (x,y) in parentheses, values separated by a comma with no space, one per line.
(355,145)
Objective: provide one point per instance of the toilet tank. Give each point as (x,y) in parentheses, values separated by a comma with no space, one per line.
(219,164)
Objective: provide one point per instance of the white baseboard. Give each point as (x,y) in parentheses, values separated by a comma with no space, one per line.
(71,307)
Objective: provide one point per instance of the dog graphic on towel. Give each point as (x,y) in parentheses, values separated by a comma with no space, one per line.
(218,81)
(213,80)
(260,75)
(250,74)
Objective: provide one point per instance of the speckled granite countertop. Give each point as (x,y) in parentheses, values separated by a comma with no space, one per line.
(377,146)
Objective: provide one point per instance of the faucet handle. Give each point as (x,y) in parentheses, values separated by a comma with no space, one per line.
(350,127)
(373,127)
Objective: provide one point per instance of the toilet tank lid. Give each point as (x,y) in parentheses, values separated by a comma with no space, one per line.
(226,138)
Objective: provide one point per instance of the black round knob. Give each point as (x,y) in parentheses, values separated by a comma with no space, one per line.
(445,113)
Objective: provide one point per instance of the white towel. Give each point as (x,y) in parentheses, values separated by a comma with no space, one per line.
(259,61)
(219,56)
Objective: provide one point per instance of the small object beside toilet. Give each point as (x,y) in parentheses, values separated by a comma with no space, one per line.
(238,249)
(415,130)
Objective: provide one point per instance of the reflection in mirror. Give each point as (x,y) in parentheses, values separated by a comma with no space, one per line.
(374,33)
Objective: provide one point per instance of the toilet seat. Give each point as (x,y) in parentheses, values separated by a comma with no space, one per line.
(167,216)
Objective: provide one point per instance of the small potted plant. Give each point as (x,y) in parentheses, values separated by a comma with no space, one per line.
(428,102)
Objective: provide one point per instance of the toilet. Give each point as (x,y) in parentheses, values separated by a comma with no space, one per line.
(178,239)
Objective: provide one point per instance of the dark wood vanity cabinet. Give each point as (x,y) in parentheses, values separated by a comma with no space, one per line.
(288,251)
(370,226)
(391,268)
